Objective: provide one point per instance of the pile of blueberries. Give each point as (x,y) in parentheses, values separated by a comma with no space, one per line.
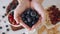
(30,17)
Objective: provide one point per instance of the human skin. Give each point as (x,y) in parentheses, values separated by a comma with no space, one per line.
(35,4)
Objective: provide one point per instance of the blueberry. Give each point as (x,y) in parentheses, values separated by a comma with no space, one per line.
(0,27)
(3,33)
(33,13)
(29,19)
(23,33)
(4,7)
(4,21)
(6,25)
(7,29)
(3,16)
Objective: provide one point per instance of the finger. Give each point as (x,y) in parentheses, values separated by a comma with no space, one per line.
(25,26)
(37,24)
(18,11)
(16,17)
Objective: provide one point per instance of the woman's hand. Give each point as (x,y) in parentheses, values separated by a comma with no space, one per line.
(38,7)
(20,8)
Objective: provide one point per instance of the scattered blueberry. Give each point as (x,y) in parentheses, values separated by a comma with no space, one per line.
(7,29)
(4,7)
(3,32)
(4,21)
(3,16)
(6,25)
(0,27)
(23,33)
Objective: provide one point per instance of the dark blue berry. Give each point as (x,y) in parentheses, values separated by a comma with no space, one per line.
(3,16)
(3,7)
(0,27)
(7,29)
(3,32)
(6,25)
